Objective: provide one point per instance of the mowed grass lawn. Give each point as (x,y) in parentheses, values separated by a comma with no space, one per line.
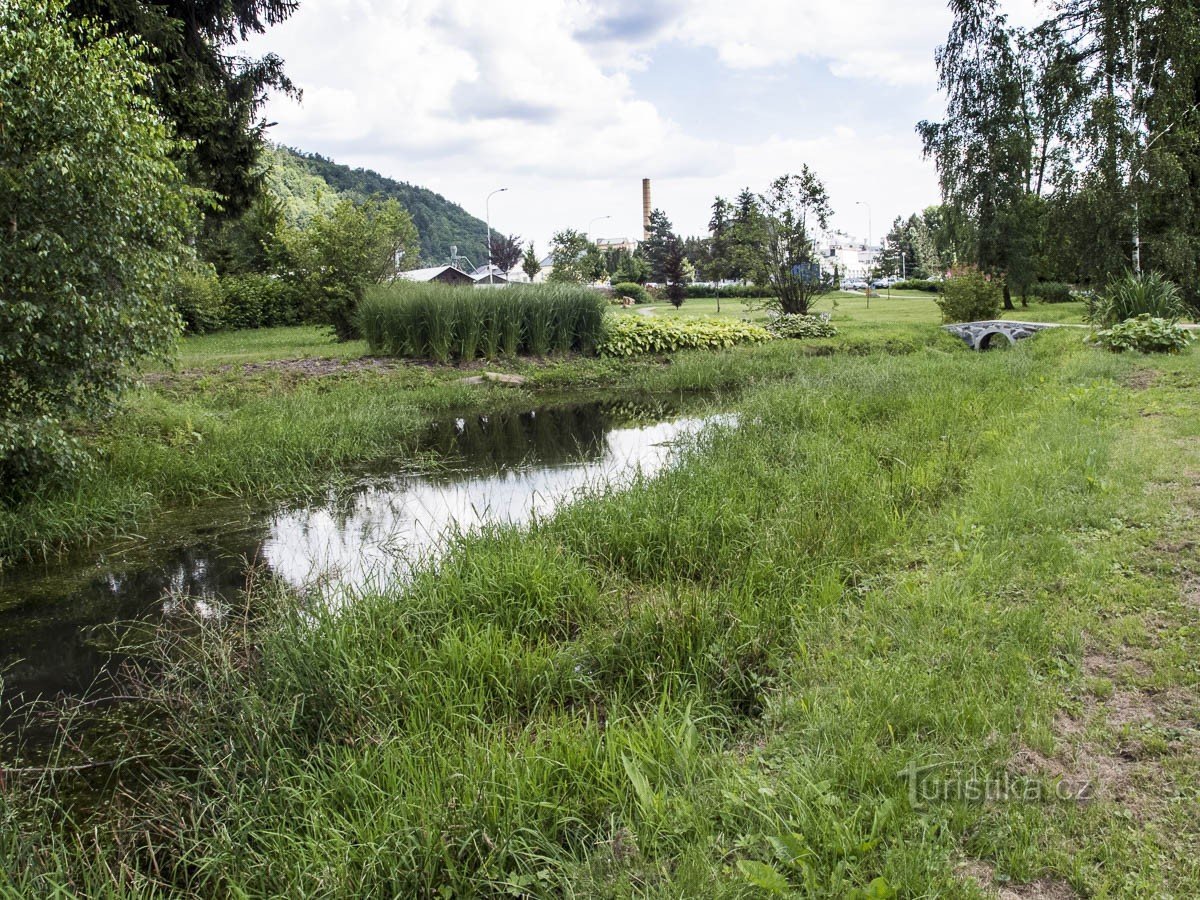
(851,309)
(975,569)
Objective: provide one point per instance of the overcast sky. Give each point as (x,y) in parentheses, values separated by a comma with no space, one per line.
(570,103)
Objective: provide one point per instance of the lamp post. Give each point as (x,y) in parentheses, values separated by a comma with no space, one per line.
(487,204)
(868,206)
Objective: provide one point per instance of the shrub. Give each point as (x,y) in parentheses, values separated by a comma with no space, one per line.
(1145,334)
(259,301)
(918,284)
(794,326)
(96,216)
(433,321)
(1130,296)
(1053,292)
(969,297)
(197,297)
(346,249)
(627,335)
(635,292)
(732,292)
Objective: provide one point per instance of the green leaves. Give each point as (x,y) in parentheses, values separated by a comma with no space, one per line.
(97,216)
(969,297)
(801,327)
(627,335)
(344,250)
(763,876)
(1146,334)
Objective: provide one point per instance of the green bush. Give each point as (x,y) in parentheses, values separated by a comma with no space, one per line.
(918,284)
(732,292)
(96,218)
(1145,334)
(795,326)
(628,335)
(197,297)
(259,301)
(433,321)
(635,292)
(1130,296)
(969,297)
(1052,292)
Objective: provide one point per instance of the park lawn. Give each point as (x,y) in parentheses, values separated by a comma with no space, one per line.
(230,348)
(850,309)
(970,567)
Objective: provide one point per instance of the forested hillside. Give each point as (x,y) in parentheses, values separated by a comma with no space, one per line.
(306,182)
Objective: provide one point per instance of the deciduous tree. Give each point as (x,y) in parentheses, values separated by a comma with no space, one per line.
(780,241)
(95,218)
(352,246)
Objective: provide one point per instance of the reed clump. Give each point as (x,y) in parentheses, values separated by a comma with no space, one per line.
(460,324)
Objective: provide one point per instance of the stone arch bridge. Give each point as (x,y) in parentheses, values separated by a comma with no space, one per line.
(997,332)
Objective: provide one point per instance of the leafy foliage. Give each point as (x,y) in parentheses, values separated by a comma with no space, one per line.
(634,291)
(1145,334)
(530,264)
(627,335)
(196,295)
(794,326)
(778,236)
(1130,296)
(1052,292)
(212,96)
(433,321)
(96,215)
(505,251)
(568,248)
(918,284)
(969,297)
(343,251)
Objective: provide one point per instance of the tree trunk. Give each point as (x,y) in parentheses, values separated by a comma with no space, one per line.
(1008,304)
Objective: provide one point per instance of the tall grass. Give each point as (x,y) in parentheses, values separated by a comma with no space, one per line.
(443,323)
(717,674)
(1129,296)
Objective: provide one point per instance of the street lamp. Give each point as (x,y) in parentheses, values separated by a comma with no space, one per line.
(487,204)
(593,222)
(868,206)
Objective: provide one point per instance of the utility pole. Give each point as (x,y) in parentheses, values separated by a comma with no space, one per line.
(487,205)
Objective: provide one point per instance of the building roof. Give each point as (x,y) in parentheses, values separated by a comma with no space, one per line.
(430,273)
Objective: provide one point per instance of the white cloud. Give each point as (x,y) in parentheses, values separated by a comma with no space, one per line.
(537,95)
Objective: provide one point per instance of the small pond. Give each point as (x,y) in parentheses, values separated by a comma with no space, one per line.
(463,473)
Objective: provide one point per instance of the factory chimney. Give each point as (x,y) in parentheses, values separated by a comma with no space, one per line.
(645,209)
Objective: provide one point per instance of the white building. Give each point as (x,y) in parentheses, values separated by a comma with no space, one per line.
(849,256)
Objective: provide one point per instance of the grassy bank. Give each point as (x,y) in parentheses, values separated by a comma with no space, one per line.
(276,412)
(707,685)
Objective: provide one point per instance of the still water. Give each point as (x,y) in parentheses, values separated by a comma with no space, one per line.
(465,473)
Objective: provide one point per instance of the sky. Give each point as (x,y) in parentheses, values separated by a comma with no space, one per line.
(570,103)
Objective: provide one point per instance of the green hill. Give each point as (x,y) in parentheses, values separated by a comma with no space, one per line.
(306,182)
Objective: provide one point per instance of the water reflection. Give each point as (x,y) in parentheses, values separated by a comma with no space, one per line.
(500,469)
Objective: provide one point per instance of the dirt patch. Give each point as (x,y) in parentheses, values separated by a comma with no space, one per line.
(1140,379)
(1191,593)
(310,367)
(1042,889)
(318,366)
(984,875)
